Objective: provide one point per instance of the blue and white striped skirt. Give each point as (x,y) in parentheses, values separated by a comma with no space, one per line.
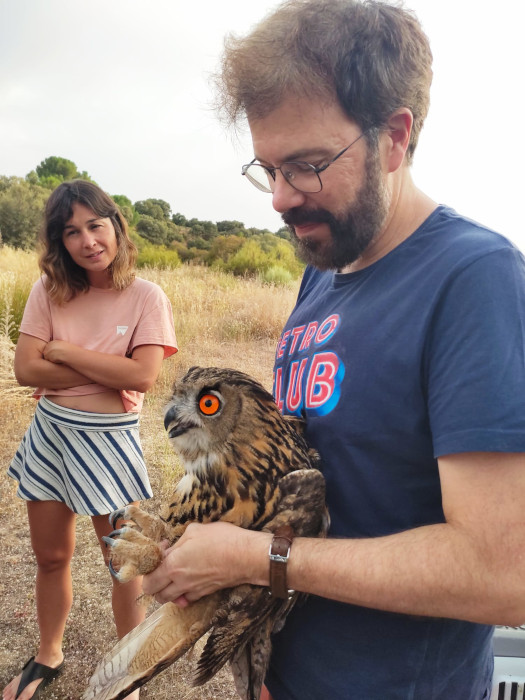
(92,462)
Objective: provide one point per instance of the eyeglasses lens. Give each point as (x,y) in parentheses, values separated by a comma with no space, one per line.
(301,176)
(259,176)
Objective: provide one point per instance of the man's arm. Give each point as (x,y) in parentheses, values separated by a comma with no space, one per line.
(471,567)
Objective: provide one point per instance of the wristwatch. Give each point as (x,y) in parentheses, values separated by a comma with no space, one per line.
(279,554)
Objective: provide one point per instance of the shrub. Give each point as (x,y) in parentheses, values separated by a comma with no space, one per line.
(277,275)
(158,256)
(248,260)
(259,254)
(21,207)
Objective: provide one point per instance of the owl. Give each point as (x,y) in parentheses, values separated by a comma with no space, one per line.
(245,464)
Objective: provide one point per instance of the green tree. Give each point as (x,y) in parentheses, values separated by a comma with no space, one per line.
(127,208)
(179,219)
(199,243)
(21,208)
(252,231)
(173,232)
(284,232)
(182,251)
(154,230)
(54,170)
(57,167)
(222,249)
(208,230)
(202,229)
(233,228)
(156,208)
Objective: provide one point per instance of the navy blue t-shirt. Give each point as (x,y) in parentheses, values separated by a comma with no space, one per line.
(419,355)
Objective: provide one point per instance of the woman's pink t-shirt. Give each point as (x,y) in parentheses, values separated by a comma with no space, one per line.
(105,320)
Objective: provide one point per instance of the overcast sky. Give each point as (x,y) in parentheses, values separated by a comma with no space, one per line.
(121,87)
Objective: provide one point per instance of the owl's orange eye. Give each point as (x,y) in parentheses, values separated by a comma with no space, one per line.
(209,404)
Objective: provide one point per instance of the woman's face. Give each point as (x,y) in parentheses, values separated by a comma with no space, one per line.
(91,242)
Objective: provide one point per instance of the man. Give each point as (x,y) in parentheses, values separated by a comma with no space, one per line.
(406,355)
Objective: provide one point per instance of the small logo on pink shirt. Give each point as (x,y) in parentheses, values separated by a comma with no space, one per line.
(121,330)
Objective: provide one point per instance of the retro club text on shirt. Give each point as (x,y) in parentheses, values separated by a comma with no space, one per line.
(308,375)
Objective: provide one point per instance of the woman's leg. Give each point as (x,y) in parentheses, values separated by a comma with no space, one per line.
(127,611)
(52,527)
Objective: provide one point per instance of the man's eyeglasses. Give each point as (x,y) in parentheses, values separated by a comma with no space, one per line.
(302,176)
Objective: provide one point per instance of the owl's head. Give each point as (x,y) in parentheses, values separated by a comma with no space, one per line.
(213,410)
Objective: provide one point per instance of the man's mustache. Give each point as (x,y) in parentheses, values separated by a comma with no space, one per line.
(298,216)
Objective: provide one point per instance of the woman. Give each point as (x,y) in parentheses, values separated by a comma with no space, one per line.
(92,340)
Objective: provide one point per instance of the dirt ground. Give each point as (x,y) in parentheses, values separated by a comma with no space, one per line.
(90,631)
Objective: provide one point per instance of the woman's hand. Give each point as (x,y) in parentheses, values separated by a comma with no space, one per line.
(56,351)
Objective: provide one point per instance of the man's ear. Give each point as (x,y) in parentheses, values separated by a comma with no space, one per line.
(398,130)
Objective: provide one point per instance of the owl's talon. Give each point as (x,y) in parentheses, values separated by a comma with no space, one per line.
(116,515)
(111,539)
(112,571)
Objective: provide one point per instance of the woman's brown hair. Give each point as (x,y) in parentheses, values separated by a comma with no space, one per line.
(64,278)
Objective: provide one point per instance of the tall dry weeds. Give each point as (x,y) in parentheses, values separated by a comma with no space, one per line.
(220,320)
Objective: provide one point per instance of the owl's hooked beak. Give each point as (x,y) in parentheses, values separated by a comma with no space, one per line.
(173,424)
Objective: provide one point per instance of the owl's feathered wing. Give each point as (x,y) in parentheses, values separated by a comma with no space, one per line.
(239,620)
(242,626)
(152,646)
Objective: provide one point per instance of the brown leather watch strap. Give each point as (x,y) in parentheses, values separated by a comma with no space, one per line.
(279,553)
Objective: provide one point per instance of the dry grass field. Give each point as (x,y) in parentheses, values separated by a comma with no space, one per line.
(221,321)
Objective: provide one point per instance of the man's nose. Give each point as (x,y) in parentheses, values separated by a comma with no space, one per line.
(284,196)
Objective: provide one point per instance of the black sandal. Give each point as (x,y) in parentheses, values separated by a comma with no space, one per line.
(33,671)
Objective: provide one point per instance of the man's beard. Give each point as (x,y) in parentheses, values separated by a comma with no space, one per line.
(352,233)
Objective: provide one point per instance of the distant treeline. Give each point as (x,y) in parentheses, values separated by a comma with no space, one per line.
(164,239)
